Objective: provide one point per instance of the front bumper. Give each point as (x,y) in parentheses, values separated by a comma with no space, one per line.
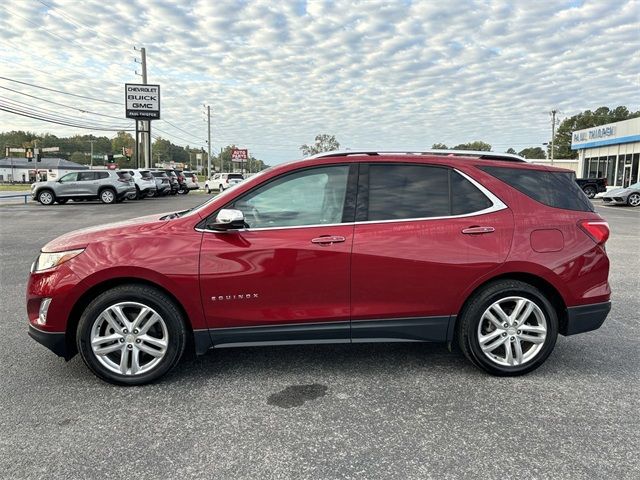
(54,341)
(585,318)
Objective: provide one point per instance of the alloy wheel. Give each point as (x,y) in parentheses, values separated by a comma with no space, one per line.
(512,331)
(46,198)
(634,200)
(129,338)
(107,196)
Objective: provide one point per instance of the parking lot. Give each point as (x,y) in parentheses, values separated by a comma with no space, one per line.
(326,411)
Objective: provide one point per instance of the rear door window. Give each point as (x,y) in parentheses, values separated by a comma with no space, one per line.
(554,189)
(86,176)
(407,191)
(124,175)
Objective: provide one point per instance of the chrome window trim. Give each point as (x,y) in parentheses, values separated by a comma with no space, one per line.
(496,206)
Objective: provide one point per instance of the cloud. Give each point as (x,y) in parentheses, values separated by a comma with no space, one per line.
(376,74)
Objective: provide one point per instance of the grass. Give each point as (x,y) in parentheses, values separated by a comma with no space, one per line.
(19,187)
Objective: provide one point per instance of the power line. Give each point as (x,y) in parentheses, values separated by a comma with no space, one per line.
(45,113)
(23,113)
(78,23)
(60,104)
(60,91)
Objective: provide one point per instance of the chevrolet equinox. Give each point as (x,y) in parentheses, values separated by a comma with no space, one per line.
(478,249)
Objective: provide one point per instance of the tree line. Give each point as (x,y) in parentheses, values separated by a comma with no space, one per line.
(77,148)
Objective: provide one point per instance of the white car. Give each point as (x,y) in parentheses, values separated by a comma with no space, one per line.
(190,182)
(222,181)
(145,184)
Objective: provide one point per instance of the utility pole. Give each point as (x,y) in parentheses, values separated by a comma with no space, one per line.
(91,158)
(209,141)
(553,131)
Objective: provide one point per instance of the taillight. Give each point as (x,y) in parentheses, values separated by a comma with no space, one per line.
(598,230)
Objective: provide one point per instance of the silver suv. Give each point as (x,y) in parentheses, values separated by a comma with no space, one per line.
(107,185)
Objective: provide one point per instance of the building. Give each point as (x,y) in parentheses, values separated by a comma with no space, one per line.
(611,151)
(21,170)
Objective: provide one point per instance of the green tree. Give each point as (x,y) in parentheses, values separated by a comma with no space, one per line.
(120,141)
(323,143)
(439,146)
(532,153)
(586,119)
(477,145)
(511,151)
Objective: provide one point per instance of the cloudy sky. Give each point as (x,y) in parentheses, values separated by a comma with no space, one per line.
(386,75)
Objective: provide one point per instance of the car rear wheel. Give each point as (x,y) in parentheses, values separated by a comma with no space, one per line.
(634,200)
(107,196)
(508,328)
(207,189)
(46,197)
(589,191)
(131,335)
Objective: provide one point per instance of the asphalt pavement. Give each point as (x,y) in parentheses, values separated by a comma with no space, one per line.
(329,411)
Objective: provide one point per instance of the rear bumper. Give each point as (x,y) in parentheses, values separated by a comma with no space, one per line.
(585,318)
(54,341)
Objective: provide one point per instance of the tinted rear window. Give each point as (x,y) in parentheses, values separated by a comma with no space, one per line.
(465,196)
(235,175)
(124,175)
(146,175)
(101,175)
(555,189)
(407,191)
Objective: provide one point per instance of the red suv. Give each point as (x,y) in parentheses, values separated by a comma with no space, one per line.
(482,249)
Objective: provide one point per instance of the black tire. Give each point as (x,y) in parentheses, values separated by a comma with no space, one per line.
(46,197)
(471,316)
(151,193)
(208,190)
(174,192)
(220,188)
(62,201)
(145,295)
(633,200)
(589,191)
(186,191)
(108,196)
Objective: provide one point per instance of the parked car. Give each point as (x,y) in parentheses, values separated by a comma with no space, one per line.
(107,185)
(173,180)
(145,184)
(592,186)
(222,181)
(163,183)
(624,196)
(345,247)
(189,182)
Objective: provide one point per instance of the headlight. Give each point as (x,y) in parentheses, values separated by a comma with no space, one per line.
(51,260)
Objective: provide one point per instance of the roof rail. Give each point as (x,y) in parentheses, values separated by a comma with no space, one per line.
(508,157)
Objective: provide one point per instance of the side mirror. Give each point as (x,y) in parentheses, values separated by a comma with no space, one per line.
(229,219)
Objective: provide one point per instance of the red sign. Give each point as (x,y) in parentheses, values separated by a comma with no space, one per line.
(239,154)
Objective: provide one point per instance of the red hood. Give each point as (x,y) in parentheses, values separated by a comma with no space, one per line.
(81,238)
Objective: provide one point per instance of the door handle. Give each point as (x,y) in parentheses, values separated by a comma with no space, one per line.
(328,239)
(475,230)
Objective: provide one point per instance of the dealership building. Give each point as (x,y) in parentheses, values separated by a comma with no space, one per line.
(611,151)
(24,170)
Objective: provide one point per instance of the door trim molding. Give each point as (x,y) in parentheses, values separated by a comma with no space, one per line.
(412,329)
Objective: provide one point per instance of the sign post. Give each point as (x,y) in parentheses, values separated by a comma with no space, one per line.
(142,103)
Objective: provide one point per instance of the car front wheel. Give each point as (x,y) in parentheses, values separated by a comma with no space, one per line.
(634,200)
(508,328)
(131,335)
(46,197)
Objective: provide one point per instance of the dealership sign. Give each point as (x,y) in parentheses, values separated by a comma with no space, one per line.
(142,101)
(239,154)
